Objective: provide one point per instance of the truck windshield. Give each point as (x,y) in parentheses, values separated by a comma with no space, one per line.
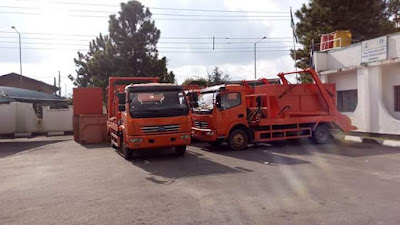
(205,102)
(157,104)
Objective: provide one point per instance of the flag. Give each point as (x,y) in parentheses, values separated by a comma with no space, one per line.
(293,25)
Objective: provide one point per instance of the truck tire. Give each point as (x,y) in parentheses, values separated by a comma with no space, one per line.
(238,139)
(180,150)
(126,152)
(321,135)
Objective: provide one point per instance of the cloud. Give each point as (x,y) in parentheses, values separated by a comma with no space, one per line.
(265,69)
(56,19)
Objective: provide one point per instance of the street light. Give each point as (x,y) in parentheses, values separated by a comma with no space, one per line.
(20,56)
(255,57)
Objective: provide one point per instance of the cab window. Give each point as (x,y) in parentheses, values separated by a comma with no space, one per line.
(230,100)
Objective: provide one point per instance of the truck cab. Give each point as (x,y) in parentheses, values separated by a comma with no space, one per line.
(150,116)
(219,109)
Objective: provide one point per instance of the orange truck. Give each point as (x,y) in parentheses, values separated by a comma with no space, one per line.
(240,114)
(147,115)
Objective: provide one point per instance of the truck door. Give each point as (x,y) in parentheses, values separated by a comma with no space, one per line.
(231,109)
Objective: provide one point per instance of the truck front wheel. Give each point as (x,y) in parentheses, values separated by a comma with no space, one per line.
(126,152)
(321,135)
(238,139)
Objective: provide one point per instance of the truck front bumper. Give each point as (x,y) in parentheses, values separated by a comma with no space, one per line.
(204,134)
(159,141)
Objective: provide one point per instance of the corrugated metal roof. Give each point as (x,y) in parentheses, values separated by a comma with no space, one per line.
(25,95)
(5,100)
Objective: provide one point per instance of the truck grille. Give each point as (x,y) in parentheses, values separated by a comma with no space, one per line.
(161,128)
(200,124)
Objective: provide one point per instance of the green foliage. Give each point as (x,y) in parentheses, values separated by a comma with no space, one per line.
(366,19)
(217,77)
(202,82)
(129,50)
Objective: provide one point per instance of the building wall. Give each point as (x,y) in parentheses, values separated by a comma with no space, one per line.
(27,121)
(14,81)
(374,82)
(344,81)
(20,117)
(8,118)
(390,78)
(57,119)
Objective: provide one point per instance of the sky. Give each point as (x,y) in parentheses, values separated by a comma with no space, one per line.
(53,31)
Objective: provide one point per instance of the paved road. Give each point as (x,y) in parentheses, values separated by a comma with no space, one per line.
(56,181)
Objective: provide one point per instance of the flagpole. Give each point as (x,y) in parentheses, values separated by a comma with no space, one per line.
(294,52)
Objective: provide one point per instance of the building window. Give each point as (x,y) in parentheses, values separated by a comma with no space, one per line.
(397,98)
(347,100)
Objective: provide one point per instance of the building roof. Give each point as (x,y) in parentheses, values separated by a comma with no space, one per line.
(4,99)
(8,94)
(5,76)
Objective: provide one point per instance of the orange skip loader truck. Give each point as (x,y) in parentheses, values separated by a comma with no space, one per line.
(240,114)
(147,116)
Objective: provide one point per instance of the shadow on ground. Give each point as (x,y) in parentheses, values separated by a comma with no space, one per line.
(13,147)
(348,149)
(307,147)
(256,153)
(96,146)
(164,166)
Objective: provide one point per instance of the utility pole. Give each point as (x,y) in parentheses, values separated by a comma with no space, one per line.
(59,83)
(255,57)
(20,56)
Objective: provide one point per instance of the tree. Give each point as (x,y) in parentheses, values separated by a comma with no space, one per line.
(364,18)
(202,82)
(130,49)
(217,77)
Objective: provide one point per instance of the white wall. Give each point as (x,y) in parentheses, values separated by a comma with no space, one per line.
(27,121)
(8,118)
(18,117)
(346,80)
(374,81)
(350,56)
(57,119)
(390,78)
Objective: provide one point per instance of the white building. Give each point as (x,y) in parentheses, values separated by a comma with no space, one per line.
(367,78)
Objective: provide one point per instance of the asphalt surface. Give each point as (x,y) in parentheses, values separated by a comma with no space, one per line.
(56,181)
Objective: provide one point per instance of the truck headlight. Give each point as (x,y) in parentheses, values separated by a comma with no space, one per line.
(136,140)
(186,136)
(210,133)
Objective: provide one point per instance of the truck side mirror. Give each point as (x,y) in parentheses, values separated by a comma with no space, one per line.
(121,98)
(218,101)
(121,108)
(121,101)
(193,98)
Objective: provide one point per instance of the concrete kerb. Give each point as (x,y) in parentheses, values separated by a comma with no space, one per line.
(372,140)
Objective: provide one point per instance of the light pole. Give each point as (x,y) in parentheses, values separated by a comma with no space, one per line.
(20,56)
(255,57)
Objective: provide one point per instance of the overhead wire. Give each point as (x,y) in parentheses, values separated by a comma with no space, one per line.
(194,43)
(167,37)
(208,51)
(175,9)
